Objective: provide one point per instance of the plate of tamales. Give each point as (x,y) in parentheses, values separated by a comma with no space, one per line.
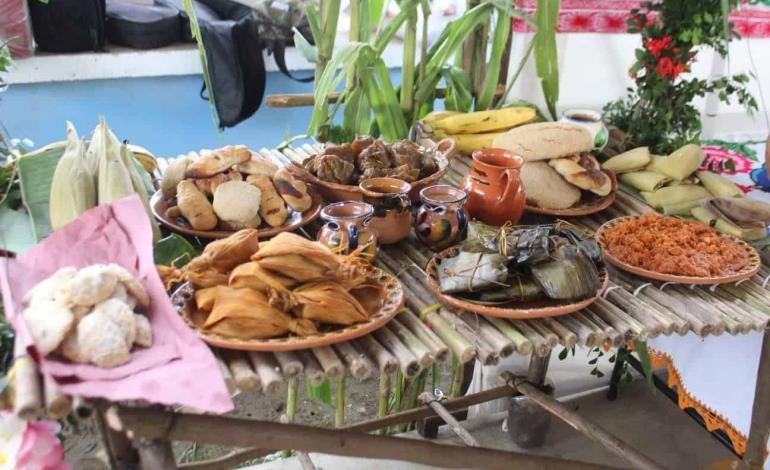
(285,294)
(521,272)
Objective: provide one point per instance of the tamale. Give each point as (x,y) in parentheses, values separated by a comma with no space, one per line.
(568,275)
(200,272)
(748,231)
(277,288)
(680,208)
(670,195)
(682,162)
(524,244)
(236,249)
(740,210)
(328,302)
(204,298)
(632,160)
(472,272)
(644,180)
(520,289)
(298,258)
(246,314)
(718,185)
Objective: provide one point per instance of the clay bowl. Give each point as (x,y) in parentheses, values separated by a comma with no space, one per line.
(443,151)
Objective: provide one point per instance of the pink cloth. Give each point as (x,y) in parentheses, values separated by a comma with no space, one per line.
(178,369)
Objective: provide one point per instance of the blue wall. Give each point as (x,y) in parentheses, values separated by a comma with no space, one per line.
(163,114)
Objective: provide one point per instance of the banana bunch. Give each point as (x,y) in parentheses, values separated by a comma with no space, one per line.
(103,173)
(477,130)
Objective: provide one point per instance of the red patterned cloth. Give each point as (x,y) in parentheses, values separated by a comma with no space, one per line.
(609,16)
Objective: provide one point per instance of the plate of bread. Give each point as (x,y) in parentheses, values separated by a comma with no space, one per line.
(560,175)
(212,194)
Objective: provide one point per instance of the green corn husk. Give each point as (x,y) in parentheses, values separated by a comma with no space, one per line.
(568,275)
(72,186)
(136,182)
(113,178)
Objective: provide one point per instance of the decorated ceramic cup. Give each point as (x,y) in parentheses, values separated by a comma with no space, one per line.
(347,229)
(590,120)
(392,219)
(441,221)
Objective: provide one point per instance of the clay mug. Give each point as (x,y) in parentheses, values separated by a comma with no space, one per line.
(495,192)
(441,221)
(590,120)
(347,229)
(392,219)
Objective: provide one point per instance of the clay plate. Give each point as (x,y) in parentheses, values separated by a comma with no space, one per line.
(589,203)
(180,225)
(515,310)
(751,268)
(444,151)
(386,301)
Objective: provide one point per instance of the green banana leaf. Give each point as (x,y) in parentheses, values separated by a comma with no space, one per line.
(16,233)
(459,95)
(35,176)
(174,250)
(546,55)
(499,40)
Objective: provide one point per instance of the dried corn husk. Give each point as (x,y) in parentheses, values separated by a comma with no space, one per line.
(252,276)
(246,314)
(329,302)
(72,188)
(204,298)
(297,258)
(136,182)
(113,178)
(236,249)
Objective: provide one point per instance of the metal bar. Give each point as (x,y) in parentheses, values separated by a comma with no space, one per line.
(432,401)
(156,424)
(759,432)
(585,427)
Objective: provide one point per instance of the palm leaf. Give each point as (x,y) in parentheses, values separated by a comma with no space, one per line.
(408,7)
(35,176)
(459,96)
(546,55)
(195,30)
(499,40)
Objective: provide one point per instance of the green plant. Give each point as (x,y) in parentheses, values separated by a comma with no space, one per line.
(659,112)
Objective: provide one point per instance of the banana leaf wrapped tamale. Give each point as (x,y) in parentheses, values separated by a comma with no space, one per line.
(523,244)
(568,275)
(472,272)
(520,289)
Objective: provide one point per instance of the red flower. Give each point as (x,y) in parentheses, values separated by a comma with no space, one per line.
(669,68)
(632,74)
(656,46)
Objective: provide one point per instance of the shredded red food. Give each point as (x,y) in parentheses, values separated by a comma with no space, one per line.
(673,246)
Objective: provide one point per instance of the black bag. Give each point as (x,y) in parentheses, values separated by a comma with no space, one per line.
(68,25)
(142,26)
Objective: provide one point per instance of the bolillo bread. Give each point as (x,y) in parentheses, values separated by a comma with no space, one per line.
(218,161)
(292,190)
(545,188)
(545,140)
(583,171)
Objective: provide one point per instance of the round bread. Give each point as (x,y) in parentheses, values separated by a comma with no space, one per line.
(236,203)
(545,188)
(545,140)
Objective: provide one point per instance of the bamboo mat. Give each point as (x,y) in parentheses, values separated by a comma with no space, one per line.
(427,332)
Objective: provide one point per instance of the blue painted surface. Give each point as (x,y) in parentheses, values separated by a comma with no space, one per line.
(163,114)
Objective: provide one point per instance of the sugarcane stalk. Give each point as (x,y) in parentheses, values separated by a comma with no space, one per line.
(291,406)
(354,36)
(418,348)
(435,376)
(330,13)
(339,403)
(458,369)
(439,350)
(408,64)
(313,372)
(382,402)
(523,345)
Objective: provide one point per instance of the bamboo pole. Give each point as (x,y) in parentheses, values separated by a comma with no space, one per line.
(386,362)
(406,359)
(313,372)
(330,363)
(268,371)
(439,350)
(551,337)
(500,343)
(57,405)
(614,337)
(383,396)
(429,399)
(359,366)
(638,311)
(588,337)
(485,353)
(226,375)
(522,343)
(339,402)
(28,399)
(539,344)
(290,363)
(460,346)
(614,315)
(567,338)
(704,310)
(243,375)
(418,348)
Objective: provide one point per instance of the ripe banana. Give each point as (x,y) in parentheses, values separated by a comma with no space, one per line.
(437,115)
(468,143)
(484,121)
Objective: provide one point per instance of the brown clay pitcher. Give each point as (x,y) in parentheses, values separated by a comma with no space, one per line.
(392,219)
(495,192)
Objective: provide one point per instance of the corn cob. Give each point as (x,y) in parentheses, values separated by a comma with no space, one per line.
(72,187)
(113,178)
(136,182)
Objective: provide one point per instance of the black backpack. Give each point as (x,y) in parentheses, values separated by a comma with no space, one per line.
(142,26)
(68,25)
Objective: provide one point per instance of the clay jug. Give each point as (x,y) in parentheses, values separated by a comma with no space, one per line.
(392,219)
(495,192)
(347,231)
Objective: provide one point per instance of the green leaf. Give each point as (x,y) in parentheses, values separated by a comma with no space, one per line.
(16,233)
(563,354)
(308,51)
(322,392)
(196,34)
(35,176)
(546,54)
(499,41)
(407,8)
(459,89)
(644,359)
(174,250)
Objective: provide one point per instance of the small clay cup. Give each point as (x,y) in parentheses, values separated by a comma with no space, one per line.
(392,219)
(441,221)
(347,230)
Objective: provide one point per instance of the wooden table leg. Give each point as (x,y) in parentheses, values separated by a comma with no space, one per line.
(754,457)
(155,454)
(120,452)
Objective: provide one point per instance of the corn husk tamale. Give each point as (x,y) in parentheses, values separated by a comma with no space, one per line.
(632,160)
(644,180)
(246,314)
(674,194)
(682,162)
(740,210)
(328,302)
(718,185)
(523,244)
(298,258)
(680,208)
(748,232)
(655,161)
(204,298)
(277,288)
(201,274)
(569,274)
(236,249)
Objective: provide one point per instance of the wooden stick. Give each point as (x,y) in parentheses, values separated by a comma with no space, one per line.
(406,358)
(313,372)
(523,345)
(693,302)
(83,408)
(359,366)
(304,460)
(759,431)
(410,340)
(637,310)
(610,333)
(377,353)
(668,320)
(539,344)
(439,350)
(568,339)
(383,397)
(156,454)
(244,376)
(587,336)
(612,314)
(689,319)
(330,363)
(742,311)
(551,337)
(499,342)
(429,399)
(460,346)
(732,325)
(290,363)
(339,402)
(229,460)
(486,354)
(268,371)
(226,374)
(28,393)
(57,405)
(600,337)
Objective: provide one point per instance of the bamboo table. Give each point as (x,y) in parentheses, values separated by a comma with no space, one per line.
(427,333)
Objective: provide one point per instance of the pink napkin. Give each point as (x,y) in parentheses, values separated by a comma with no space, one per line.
(178,369)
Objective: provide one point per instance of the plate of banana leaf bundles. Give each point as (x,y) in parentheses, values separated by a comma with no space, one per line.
(337,170)
(519,272)
(284,294)
(560,175)
(675,250)
(215,193)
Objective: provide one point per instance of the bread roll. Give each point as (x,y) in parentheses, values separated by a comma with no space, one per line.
(237,204)
(292,190)
(545,188)
(257,166)
(218,161)
(173,174)
(545,140)
(271,208)
(195,207)
(583,171)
